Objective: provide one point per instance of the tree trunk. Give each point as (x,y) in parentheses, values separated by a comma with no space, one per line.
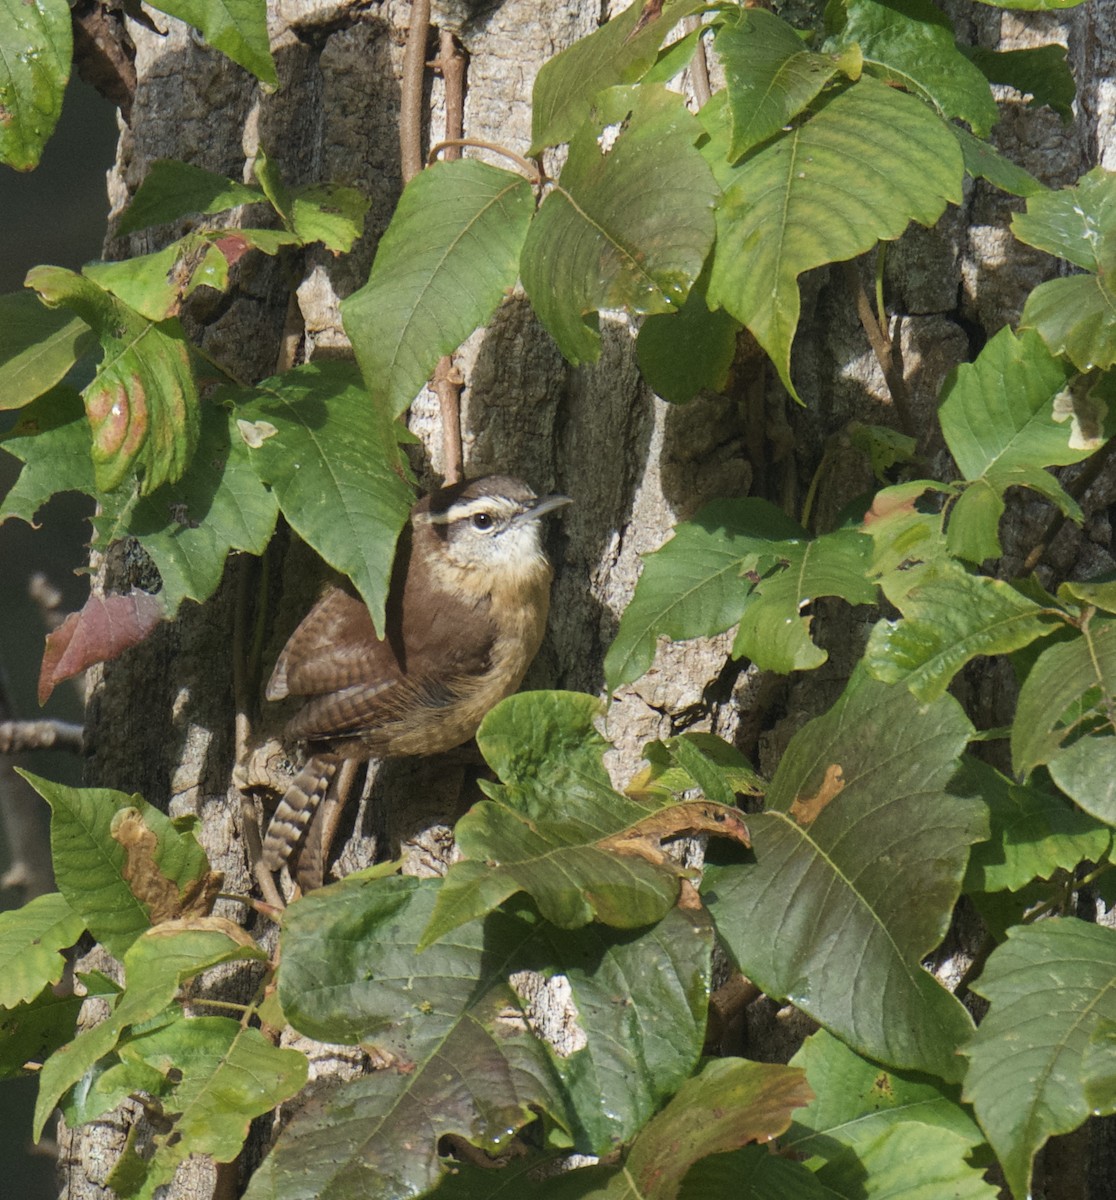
(162,719)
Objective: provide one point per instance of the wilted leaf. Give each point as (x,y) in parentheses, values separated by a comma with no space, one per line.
(616,53)
(37,347)
(820,918)
(335,468)
(441,268)
(1050,985)
(102,630)
(951,617)
(789,208)
(143,404)
(555,828)
(34,70)
(92,866)
(31,939)
(629,223)
(237,28)
(141,871)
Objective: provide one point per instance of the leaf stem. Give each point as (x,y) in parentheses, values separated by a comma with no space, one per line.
(882,347)
(529,168)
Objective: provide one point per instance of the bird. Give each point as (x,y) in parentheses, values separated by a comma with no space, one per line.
(466,612)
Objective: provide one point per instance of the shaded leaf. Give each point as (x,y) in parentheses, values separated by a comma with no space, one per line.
(155,966)
(237,28)
(52,440)
(335,468)
(861,800)
(554,827)
(998,419)
(143,404)
(1033,834)
(96,871)
(788,212)
(753,1173)
(984,161)
(911,44)
(31,1032)
(102,630)
(34,70)
(1049,985)
(37,347)
(692,760)
(1099,1073)
(698,583)
(176,189)
(1086,772)
(227,1075)
(884,447)
(628,225)
(350,972)
(441,268)
(681,353)
(567,84)
(770,76)
(1040,72)
(951,617)
(1067,680)
(31,941)
(315,212)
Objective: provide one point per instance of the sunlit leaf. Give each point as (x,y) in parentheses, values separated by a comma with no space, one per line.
(237,28)
(984,161)
(1049,984)
(790,208)
(629,223)
(858,863)
(31,939)
(446,260)
(34,69)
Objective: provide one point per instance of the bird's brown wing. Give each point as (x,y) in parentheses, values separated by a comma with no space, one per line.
(334,648)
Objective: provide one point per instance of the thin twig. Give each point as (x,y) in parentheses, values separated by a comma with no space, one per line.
(411,86)
(1090,473)
(451,63)
(527,166)
(294,329)
(18,736)
(699,65)
(881,344)
(447,384)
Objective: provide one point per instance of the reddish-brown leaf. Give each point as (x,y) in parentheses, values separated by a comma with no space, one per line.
(101,631)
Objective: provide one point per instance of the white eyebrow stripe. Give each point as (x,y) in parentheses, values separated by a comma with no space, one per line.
(495,506)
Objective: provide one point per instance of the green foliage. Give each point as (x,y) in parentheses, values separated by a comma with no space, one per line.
(831,896)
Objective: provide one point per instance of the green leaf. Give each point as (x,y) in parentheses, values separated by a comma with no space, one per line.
(628,225)
(238,28)
(1100,592)
(142,404)
(31,1032)
(698,583)
(554,827)
(110,880)
(911,44)
(1049,984)
(789,210)
(1033,5)
(176,189)
(443,265)
(884,447)
(1086,772)
(37,348)
(858,863)
(857,1102)
(316,212)
(329,453)
(998,419)
(31,941)
(52,440)
(227,1075)
(155,966)
(700,760)
(907,536)
(616,53)
(1041,72)
(219,505)
(983,161)
(1034,833)
(681,353)
(350,972)
(772,633)
(1066,683)
(1099,1074)
(753,1173)
(770,76)
(950,618)
(34,70)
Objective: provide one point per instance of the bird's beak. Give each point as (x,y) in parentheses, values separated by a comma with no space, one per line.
(547,504)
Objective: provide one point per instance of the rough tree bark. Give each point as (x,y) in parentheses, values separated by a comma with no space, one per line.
(161,719)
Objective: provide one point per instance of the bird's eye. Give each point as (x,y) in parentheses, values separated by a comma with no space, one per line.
(482,520)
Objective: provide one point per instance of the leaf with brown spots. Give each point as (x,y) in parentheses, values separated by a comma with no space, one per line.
(644,839)
(141,872)
(142,404)
(105,627)
(805,809)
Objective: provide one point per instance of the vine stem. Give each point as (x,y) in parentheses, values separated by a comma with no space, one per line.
(410,111)
(699,67)
(527,166)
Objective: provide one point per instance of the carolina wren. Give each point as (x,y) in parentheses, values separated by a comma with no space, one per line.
(466,613)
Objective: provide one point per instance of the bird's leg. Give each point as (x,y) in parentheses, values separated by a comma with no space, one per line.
(314,852)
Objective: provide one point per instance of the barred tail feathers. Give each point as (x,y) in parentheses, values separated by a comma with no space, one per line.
(295,810)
